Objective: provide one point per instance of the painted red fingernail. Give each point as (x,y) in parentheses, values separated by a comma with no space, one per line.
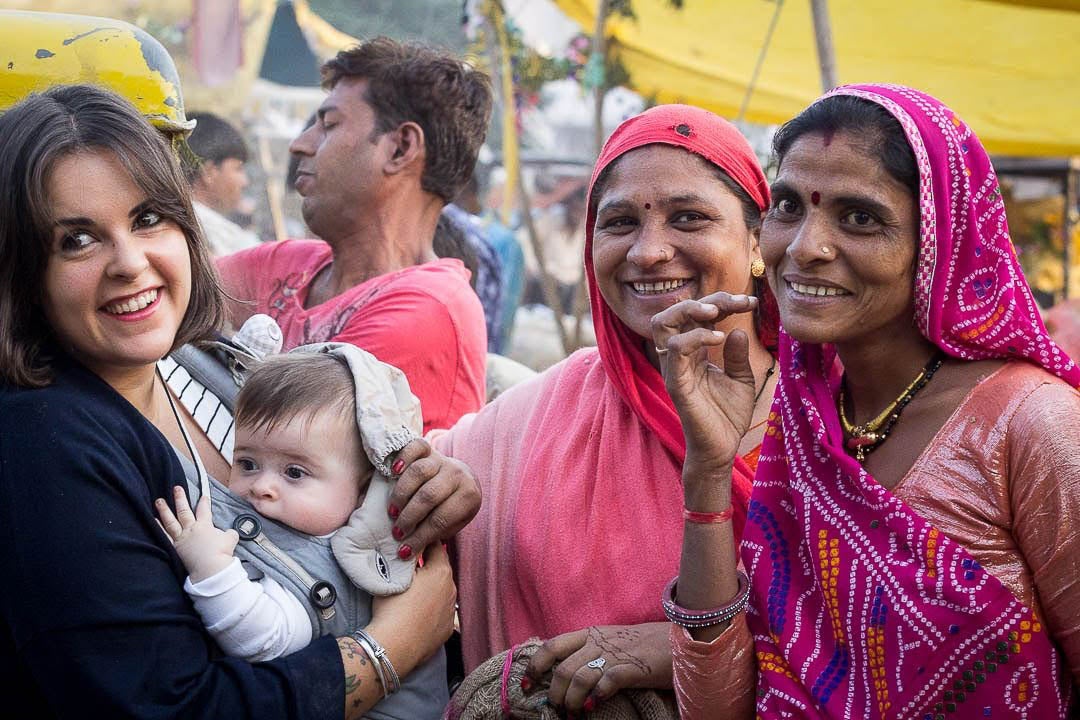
(393,512)
(526,683)
(404,552)
(398,466)
(589,705)
(419,561)
(397,533)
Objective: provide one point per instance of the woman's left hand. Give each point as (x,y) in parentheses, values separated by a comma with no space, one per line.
(434,497)
(636,656)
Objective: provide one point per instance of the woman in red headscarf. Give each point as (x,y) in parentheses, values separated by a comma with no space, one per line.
(581,467)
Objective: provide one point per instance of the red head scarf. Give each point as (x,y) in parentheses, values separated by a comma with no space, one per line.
(637,381)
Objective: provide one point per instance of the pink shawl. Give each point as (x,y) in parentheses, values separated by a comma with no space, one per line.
(582,467)
(860,607)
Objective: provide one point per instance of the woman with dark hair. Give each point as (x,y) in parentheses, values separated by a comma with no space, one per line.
(911,544)
(103,271)
(580,466)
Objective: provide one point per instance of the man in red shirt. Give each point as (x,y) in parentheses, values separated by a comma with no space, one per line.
(394,141)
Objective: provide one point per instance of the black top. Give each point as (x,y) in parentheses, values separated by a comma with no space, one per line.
(93,617)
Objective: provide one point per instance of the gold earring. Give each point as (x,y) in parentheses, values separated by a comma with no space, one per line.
(757,268)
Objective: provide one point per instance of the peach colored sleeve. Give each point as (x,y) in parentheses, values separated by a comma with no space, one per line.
(1044,482)
(715,679)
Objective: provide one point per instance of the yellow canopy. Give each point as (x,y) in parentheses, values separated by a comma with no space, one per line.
(1010,69)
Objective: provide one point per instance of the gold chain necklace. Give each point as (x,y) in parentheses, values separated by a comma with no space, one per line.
(864,439)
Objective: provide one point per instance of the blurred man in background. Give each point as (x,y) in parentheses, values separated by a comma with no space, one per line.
(218,179)
(393,142)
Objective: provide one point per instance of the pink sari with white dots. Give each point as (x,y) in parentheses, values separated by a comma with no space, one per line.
(860,608)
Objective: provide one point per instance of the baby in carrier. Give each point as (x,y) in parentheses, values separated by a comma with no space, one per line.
(300,541)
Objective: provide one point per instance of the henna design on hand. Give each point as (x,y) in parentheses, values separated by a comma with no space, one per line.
(611,642)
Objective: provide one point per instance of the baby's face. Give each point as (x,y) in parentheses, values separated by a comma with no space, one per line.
(309,473)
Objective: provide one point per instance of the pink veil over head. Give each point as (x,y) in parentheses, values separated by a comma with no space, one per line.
(821,542)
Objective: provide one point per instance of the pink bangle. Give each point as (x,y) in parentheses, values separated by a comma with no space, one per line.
(705,518)
(705,618)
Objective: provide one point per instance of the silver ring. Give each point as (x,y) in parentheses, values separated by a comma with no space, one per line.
(597,664)
(660,351)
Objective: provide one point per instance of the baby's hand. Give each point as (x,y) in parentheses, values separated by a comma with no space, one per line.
(203,548)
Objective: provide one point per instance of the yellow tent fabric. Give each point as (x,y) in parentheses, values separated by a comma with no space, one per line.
(1051,4)
(1010,69)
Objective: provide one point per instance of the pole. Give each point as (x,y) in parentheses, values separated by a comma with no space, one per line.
(547,282)
(514,189)
(760,61)
(274,190)
(499,48)
(1069,218)
(823,37)
(599,48)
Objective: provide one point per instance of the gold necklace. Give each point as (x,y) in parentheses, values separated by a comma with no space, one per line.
(864,439)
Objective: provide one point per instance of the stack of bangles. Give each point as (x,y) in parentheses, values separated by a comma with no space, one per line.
(391,683)
(705,618)
(715,616)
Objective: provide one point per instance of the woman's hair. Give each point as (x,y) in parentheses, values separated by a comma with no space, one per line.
(869,122)
(284,387)
(34,135)
(766,314)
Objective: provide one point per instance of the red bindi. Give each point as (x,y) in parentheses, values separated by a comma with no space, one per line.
(815,197)
(648,206)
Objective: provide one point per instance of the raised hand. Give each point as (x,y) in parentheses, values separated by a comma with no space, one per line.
(714,404)
(204,550)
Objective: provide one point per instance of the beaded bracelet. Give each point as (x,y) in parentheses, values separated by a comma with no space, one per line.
(705,618)
(388,677)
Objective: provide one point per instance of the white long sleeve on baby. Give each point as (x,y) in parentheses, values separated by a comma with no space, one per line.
(254,620)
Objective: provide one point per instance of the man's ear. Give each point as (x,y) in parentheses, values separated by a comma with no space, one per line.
(408,147)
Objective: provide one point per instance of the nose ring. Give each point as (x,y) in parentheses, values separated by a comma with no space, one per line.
(825,250)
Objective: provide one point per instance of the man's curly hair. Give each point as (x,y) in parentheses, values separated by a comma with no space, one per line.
(411,82)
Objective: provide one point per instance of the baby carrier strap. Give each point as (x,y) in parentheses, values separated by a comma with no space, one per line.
(213,366)
(302,564)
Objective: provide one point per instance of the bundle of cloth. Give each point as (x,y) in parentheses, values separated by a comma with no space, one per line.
(493,692)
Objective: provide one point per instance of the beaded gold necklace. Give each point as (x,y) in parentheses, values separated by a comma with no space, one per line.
(864,439)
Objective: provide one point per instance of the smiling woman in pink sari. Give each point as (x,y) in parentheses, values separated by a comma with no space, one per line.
(912,543)
(579,527)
